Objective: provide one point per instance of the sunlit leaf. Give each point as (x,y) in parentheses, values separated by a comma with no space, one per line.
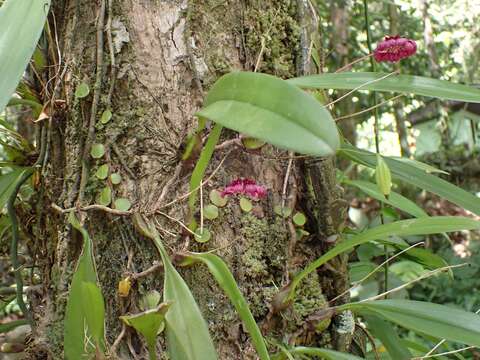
(418,85)
(116,178)
(210,212)
(436,320)
(105,197)
(202,235)
(217,199)
(106,116)
(97,151)
(102,172)
(299,219)
(122,204)
(82,90)
(270,109)
(21,23)
(245,204)
(94,310)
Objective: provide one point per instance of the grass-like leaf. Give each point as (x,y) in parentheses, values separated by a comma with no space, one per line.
(418,85)
(426,318)
(326,354)
(417,177)
(225,279)
(272,110)
(421,226)
(21,23)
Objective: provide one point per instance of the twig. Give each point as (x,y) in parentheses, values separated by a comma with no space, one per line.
(445,353)
(169,184)
(150,270)
(95,100)
(360,87)
(177,221)
(119,338)
(285,181)
(91,207)
(369,109)
(353,63)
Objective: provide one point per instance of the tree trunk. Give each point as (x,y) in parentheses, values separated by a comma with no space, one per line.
(166,55)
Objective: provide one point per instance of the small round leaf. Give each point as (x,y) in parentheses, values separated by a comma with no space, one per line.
(252,143)
(299,219)
(102,172)
(105,197)
(202,236)
(97,151)
(217,199)
(106,116)
(82,91)
(246,205)
(283,212)
(122,204)
(115,178)
(210,212)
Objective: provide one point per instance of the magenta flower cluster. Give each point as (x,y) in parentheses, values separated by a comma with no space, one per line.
(247,187)
(394,48)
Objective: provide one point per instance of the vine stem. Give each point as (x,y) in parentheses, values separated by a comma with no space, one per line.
(377,137)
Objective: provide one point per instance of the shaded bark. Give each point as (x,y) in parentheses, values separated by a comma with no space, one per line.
(167,54)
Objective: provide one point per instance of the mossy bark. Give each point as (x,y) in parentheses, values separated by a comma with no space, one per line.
(167,54)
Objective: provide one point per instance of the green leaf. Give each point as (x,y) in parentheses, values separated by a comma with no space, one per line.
(252,143)
(8,182)
(21,24)
(225,279)
(11,325)
(421,226)
(201,167)
(436,320)
(418,85)
(414,176)
(323,353)
(150,300)
(82,90)
(122,204)
(420,165)
(187,331)
(283,212)
(148,323)
(394,199)
(217,199)
(388,336)
(75,344)
(270,109)
(94,310)
(246,205)
(105,197)
(202,236)
(106,116)
(116,178)
(102,172)
(210,212)
(97,151)
(299,219)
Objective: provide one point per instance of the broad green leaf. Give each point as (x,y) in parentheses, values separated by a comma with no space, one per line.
(8,182)
(94,310)
(106,116)
(105,197)
(270,109)
(388,336)
(225,279)
(122,204)
(326,354)
(246,205)
(82,90)
(414,176)
(421,226)
(201,167)
(97,151)
(394,199)
(418,85)
(217,199)
(148,323)
(21,24)
(11,325)
(426,318)
(187,331)
(210,212)
(102,172)
(74,342)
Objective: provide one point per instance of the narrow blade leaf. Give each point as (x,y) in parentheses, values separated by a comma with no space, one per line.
(324,353)
(418,85)
(272,110)
(427,318)
(21,23)
(225,279)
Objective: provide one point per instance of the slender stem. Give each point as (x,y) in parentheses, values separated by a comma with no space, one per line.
(376,130)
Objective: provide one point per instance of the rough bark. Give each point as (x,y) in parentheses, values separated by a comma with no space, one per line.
(175,51)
